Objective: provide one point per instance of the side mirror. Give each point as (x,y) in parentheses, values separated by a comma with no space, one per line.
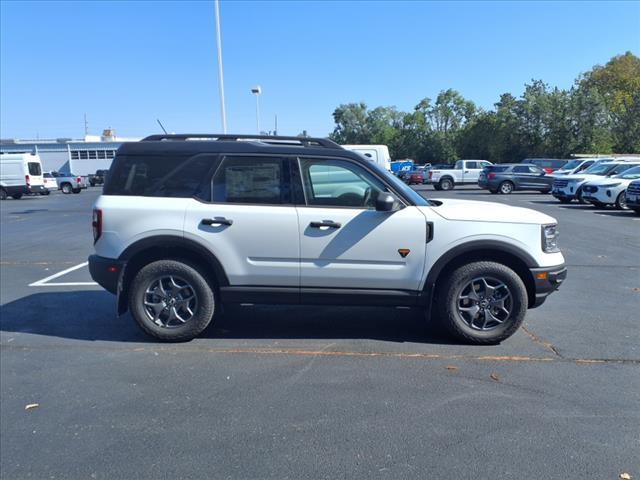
(385,202)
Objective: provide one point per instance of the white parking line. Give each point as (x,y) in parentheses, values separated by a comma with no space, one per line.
(44,281)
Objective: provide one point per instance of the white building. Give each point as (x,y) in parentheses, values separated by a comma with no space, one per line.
(79,157)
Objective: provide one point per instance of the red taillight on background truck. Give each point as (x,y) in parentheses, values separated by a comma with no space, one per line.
(97,224)
(78,180)
(27,180)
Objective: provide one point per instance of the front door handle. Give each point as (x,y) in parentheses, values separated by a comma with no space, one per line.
(216,221)
(325,223)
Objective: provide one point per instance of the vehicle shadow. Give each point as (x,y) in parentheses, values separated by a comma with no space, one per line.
(90,315)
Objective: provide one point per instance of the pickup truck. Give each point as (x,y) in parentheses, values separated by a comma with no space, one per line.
(97,178)
(69,183)
(465,172)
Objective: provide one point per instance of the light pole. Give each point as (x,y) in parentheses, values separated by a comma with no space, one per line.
(223,113)
(257,90)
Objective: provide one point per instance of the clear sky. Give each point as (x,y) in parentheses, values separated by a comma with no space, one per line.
(125,64)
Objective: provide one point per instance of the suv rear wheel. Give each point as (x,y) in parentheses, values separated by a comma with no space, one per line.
(482,303)
(506,188)
(171,300)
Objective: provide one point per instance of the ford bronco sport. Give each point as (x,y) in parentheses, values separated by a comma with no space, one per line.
(187,223)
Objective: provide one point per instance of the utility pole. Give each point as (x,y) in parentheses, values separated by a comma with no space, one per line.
(86,125)
(275,129)
(257,90)
(223,113)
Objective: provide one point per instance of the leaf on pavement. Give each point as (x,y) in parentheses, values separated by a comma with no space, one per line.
(494,377)
(452,367)
(625,476)
(31,406)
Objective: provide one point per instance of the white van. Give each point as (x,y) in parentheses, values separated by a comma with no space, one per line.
(20,174)
(376,153)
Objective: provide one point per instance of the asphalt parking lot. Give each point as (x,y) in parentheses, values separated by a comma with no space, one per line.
(293,392)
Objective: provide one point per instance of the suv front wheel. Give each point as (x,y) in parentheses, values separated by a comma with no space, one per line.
(482,302)
(171,300)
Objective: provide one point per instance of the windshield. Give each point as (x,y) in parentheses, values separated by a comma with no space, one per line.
(399,185)
(622,168)
(600,169)
(571,165)
(631,174)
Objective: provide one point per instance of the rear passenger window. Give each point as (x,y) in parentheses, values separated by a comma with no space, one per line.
(255,180)
(521,169)
(160,176)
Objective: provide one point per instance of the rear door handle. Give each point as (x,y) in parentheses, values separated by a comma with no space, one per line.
(325,223)
(216,221)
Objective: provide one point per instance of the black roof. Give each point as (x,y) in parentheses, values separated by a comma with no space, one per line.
(222,143)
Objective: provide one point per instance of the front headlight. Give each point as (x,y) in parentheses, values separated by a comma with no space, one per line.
(550,238)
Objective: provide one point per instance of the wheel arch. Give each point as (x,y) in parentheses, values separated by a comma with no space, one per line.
(482,250)
(161,247)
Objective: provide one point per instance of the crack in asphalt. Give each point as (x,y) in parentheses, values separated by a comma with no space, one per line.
(332,353)
(536,339)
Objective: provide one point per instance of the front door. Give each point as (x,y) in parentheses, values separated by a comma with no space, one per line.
(250,224)
(345,242)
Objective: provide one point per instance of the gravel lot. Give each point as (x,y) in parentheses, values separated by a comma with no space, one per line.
(292,392)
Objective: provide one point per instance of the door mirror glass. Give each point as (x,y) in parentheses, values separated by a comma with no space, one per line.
(385,202)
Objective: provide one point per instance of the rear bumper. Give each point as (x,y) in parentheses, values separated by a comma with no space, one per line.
(547,280)
(37,189)
(106,272)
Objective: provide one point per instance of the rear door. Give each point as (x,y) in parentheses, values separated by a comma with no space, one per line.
(522,176)
(248,222)
(34,169)
(344,242)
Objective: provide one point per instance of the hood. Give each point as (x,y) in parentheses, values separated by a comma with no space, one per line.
(475,211)
(609,180)
(577,176)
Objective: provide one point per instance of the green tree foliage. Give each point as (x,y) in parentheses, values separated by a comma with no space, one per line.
(599,114)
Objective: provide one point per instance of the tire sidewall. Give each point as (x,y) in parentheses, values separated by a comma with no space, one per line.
(509,187)
(446,184)
(621,201)
(66,188)
(448,302)
(190,273)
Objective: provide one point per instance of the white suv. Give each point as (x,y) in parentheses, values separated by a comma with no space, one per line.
(189,222)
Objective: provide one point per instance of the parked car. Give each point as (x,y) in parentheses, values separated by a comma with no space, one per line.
(97,178)
(549,165)
(49,183)
(569,187)
(415,177)
(69,183)
(632,196)
(20,174)
(578,165)
(175,234)
(507,178)
(465,172)
(610,190)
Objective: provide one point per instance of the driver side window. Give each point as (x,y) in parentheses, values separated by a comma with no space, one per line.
(338,183)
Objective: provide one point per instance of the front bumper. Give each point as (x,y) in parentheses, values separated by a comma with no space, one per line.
(547,280)
(106,272)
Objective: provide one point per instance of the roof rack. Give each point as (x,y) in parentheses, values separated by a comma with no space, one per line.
(271,139)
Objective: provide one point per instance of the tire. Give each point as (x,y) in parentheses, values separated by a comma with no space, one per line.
(505,188)
(3,194)
(546,192)
(621,201)
(16,196)
(170,329)
(637,210)
(46,192)
(579,198)
(66,188)
(446,184)
(454,294)
(493,191)
(437,187)
(598,204)
(76,190)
